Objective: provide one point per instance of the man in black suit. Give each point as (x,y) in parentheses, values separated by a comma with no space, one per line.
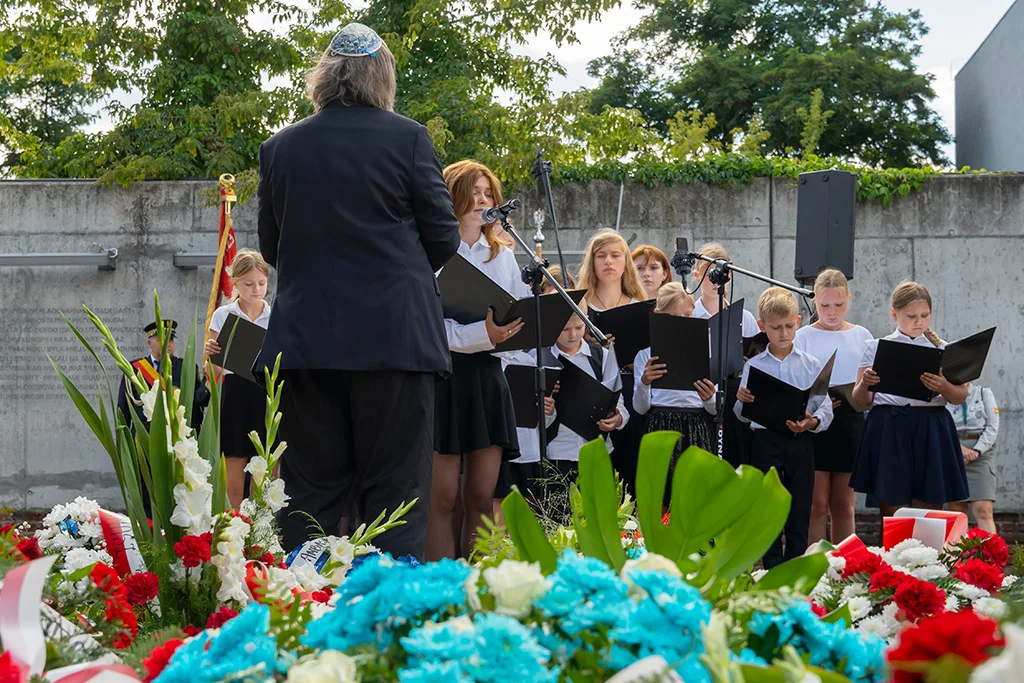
(355,216)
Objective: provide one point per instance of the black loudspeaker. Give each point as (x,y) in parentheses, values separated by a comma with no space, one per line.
(825,216)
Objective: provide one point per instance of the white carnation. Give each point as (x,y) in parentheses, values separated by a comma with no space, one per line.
(80,558)
(1008,581)
(991,607)
(852,591)
(969,591)
(860,607)
(929,572)
(515,585)
(952,603)
(1010,662)
(836,565)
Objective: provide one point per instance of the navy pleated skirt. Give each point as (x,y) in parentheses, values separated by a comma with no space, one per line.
(910,454)
(473,408)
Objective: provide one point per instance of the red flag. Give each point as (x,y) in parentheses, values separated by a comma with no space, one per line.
(230,248)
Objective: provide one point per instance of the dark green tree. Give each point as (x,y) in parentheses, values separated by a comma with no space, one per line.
(741,58)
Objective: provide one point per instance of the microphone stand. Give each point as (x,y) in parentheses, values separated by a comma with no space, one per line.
(541,171)
(534,274)
(720,275)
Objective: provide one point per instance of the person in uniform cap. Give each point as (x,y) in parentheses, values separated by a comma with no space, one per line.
(977,425)
(149,366)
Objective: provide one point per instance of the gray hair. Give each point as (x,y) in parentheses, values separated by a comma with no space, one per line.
(353,81)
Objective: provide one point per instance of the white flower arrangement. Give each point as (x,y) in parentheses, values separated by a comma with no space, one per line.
(228,557)
(72,525)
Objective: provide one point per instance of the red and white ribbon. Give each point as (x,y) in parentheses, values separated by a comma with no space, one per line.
(21,629)
(121,545)
(955,522)
(851,548)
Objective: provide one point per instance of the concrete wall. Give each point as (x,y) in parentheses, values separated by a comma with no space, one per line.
(990,97)
(961,236)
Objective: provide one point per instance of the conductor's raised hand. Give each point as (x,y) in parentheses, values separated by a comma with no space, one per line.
(870,377)
(805,424)
(705,389)
(744,395)
(610,424)
(653,371)
(499,333)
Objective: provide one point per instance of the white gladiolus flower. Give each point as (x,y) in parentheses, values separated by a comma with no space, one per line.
(309,578)
(196,472)
(192,508)
(149,401)
(275,496)
(257,467)
(186,449)
(515,585)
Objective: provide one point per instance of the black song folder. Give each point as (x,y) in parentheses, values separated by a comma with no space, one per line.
(899,365)
(240,342)
(776,401)
(689,347)
(844,393)
(755,345)
(582,401)
(520,380)
(628,324)
(467,293)
(733,340)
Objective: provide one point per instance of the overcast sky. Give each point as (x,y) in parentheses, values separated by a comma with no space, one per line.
(957,28)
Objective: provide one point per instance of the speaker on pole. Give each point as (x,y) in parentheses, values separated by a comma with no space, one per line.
(825,217)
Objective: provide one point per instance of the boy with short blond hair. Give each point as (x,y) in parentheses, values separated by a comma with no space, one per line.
(792,455)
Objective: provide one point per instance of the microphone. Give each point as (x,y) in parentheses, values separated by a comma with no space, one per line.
(495,212)
(683,260)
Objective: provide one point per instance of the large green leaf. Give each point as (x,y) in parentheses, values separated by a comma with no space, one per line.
(188,372)
(601,500)
(842,612)
(801,574)
(527,534)
(747,540)
(651,472)
(707,497)
(588,536)
(161,466)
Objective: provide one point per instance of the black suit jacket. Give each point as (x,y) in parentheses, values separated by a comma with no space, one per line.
(202,397)
(355,216)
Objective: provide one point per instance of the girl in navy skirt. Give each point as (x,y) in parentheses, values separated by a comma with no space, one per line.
(909,454)
(688,412)
(835,448)
(474,421)
(243,404)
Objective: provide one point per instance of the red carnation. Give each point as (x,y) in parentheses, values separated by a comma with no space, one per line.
(815,607)
(964,634)
(993,549)
(885,577)
(116,608)
(918,599)
(194,550)
(29,547)
(10,670)
(157,661)
(142,587)
(6,529)
(323,595)
(862,563)
(191,630)
(980,573)
(221,617)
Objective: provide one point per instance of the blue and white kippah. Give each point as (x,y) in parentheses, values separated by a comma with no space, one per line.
(356,40)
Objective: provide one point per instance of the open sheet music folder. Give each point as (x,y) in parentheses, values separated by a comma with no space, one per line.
(776,401)
(240,342)
(467,293)
(628,324)
(899,365)
(522,383)
(689,347)
(582,401)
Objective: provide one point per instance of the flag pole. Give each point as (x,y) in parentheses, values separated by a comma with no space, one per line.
(227,194)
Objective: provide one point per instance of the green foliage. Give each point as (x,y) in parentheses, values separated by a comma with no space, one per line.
(527,533)
(741,58)
(815,122)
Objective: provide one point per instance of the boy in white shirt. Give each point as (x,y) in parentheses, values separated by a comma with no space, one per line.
(792,456)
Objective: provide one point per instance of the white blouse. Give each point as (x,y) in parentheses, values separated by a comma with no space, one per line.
(797,369)
(868,358)
(529,440)
(504,271)
(645,397)
(848,345)
(220,316)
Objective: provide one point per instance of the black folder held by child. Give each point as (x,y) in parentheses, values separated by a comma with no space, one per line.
(522,383)
(582,401)
(776,402)
(899,366)
(689,348)
(240,342)
(467,294)
(628,324)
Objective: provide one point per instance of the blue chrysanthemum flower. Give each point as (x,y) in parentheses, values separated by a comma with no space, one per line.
(242,644)
(434,672)
(763,621)
(585,593)
(748,656)
(439,643)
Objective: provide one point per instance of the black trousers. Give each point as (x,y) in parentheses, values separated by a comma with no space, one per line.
(358,443)
(793,457)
